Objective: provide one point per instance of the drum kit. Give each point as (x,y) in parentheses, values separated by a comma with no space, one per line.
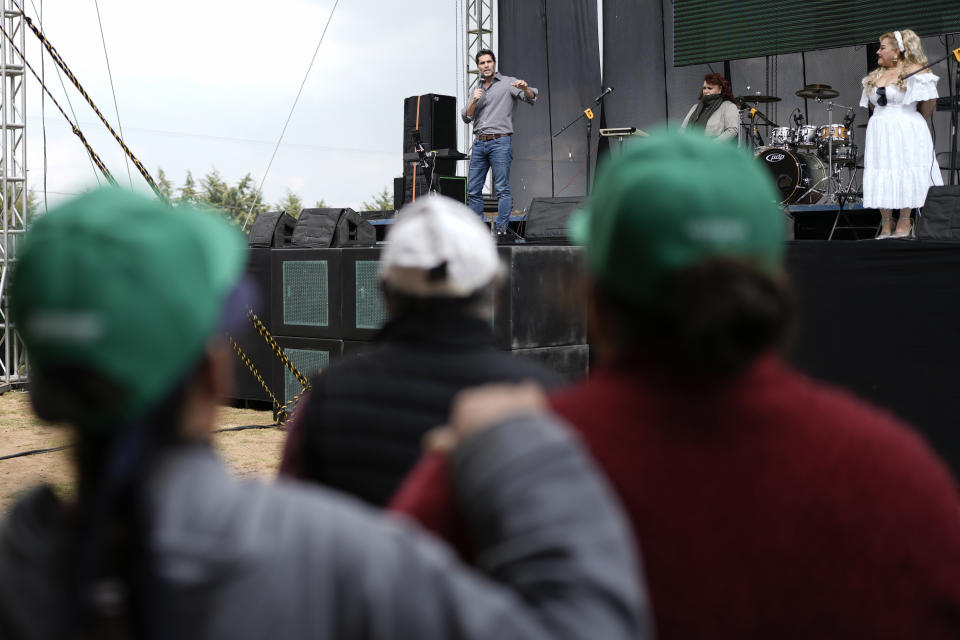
(810,163)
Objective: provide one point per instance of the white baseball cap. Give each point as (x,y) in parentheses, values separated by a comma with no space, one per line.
(438,248)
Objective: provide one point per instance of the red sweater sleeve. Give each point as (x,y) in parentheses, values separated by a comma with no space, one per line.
(426,497)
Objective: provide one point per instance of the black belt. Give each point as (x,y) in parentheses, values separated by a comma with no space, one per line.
(492,136)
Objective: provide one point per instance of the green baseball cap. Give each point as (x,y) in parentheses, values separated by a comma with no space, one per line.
(126,286)
(671,200)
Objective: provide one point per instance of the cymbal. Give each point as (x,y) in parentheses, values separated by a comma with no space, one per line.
(758,99)
(817,92)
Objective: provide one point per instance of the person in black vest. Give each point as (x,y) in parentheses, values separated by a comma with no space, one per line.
(360,427)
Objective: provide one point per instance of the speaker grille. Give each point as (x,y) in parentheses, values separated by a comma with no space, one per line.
(308,362)
(305,293)
(371,310)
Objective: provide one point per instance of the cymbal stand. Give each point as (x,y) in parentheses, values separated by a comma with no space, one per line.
(831,192)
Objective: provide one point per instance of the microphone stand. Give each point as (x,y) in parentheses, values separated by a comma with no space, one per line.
(589,115)
(754,112)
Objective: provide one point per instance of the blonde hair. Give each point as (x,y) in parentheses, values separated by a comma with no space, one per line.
(912,54)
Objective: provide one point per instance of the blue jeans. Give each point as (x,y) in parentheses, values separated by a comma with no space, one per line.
(494,154)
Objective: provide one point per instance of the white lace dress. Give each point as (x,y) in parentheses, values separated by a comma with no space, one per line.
(899,164)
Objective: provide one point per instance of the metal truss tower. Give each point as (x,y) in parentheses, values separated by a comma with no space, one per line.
(13,195)
(479,35)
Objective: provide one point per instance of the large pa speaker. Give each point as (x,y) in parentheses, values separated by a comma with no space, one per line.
(940,216)
(435,117)
(364,309)
(305,293)
(570,361)
(547,219)
(309,356)
(540,303)
(413,187)
(246,386)
(272,229)
(324,228)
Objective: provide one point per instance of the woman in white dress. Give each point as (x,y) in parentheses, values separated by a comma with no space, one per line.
(899,163)
(715,112)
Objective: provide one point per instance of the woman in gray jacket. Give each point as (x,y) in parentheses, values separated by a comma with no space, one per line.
(716,109)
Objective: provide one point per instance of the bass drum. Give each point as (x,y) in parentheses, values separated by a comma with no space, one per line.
(799,177)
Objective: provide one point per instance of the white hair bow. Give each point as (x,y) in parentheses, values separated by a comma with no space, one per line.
(896,34)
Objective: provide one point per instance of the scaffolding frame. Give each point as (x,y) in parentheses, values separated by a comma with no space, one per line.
(13,190)
(478,35)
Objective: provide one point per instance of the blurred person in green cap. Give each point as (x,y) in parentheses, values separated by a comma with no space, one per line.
(765,504)
(122,303)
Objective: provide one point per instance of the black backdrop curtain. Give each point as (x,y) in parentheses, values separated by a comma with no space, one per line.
(633,63)
(554,46)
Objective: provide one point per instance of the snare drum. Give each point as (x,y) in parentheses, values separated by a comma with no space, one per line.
(835,132)
(807,136)
(783,138)
(799,177)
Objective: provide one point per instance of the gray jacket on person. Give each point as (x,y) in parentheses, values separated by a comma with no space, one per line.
(246,559)
(723,124)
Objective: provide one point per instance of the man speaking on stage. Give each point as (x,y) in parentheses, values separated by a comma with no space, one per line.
(491,111)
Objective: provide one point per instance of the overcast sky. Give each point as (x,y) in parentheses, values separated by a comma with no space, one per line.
(209,83)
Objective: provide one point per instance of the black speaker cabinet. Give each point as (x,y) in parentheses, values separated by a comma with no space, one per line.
(272,229)
(309,356)
(246,386)
(571,361)
(547,219)
(316,228)
(364,309)
(940,216)
(435,117)
(305,292)
(540,304)
(453,187)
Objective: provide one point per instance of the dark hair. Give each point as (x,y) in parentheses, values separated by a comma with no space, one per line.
(484,52)
(111,531)
(718,80)
(714,318)
(478,304)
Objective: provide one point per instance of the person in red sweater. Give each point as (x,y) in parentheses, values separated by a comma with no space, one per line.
(765,504)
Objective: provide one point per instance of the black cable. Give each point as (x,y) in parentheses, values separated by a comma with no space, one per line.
(43,113)
(34,452)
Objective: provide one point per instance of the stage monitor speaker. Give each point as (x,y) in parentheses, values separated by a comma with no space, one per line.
(435,117)
(353,231)
(940,216)
(547,219)
(364,309)
(453,187)
(305,292)
(324,228)
(272,229)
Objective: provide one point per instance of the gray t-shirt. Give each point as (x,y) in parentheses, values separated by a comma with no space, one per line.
(494,111)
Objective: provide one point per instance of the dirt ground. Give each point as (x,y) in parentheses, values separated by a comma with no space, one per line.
(254,452)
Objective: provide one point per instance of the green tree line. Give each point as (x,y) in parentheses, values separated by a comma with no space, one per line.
(238,200)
